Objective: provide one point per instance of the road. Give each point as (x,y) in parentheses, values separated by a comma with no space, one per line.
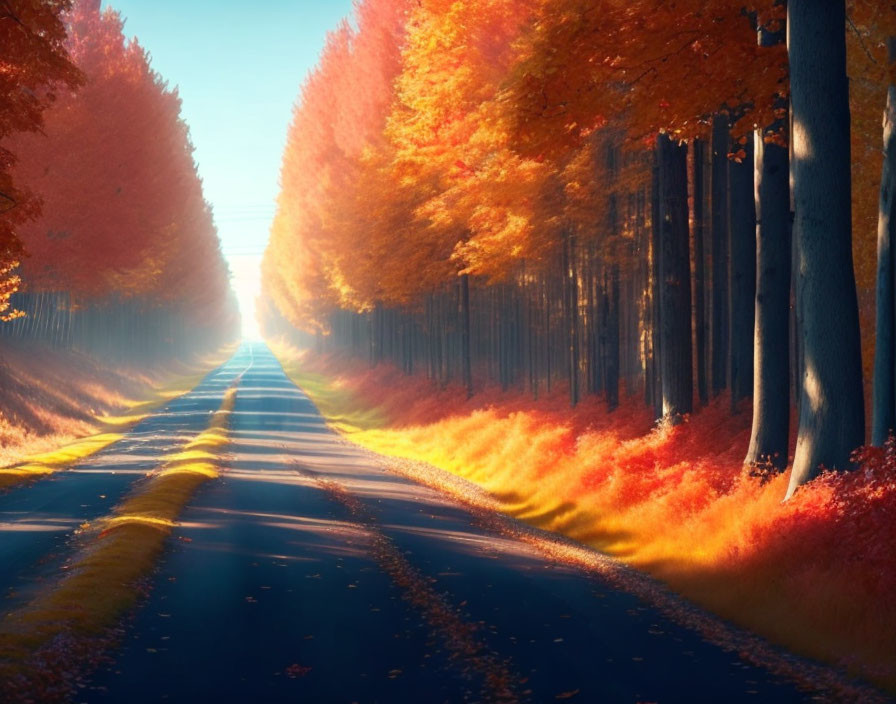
(37,521)
(308,573)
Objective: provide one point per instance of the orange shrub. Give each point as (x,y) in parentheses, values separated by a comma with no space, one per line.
(815,573)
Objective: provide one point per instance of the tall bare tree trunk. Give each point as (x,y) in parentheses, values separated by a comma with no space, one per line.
(884,394)
(741,275)
(719,201)
(832,414)
(771,346)
(698,149)
(465,333)
(675,282)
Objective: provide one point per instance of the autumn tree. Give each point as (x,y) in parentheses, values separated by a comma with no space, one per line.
(34,64)
(124,224)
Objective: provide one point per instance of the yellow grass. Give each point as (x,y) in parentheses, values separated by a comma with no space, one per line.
(110,428)
(119,549)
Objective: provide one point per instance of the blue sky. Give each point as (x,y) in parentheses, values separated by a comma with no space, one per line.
(238,67)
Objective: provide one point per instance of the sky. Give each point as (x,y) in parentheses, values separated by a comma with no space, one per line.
(238,68)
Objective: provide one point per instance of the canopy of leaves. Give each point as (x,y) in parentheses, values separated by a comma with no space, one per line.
(447,137)
(123,211)
(33,64)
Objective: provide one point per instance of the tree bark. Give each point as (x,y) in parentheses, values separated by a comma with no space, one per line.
(742,274)
(465,333)
(719,199)
(771,384)
(611,289)
(611,370)
(571,296)
(832,420)
(884,391)
(656,230)
(698,149)
(675,282)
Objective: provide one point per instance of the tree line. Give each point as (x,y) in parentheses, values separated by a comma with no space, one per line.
(108,244)
(599,195)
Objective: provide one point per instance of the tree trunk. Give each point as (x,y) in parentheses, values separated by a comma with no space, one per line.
(742,274)
(610,355)
(698,149)
(571,296)
(832,416)
(465,333)
(611,369)
(675,282)
(884,394)
(771,384)
(656,231)
(719,196)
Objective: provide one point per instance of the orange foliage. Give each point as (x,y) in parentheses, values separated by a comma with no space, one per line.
(584,63)
(123,210)
(450,143)
(337,121)
(443,172)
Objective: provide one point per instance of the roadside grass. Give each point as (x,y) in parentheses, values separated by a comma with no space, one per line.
(109,428)
(45,643)
(814,574)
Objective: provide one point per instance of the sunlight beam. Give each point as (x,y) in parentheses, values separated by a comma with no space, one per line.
(246,281)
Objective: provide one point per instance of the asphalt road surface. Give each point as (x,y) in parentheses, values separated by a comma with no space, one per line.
(307,573)
(37,521)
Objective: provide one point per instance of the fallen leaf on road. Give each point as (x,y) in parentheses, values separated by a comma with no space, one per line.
(296,670)
(568,695)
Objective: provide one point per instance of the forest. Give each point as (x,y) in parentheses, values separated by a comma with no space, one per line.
(108,244)
(578,369)
(573,214)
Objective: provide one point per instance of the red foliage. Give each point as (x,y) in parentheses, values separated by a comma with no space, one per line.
(33,60)
(123,210)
